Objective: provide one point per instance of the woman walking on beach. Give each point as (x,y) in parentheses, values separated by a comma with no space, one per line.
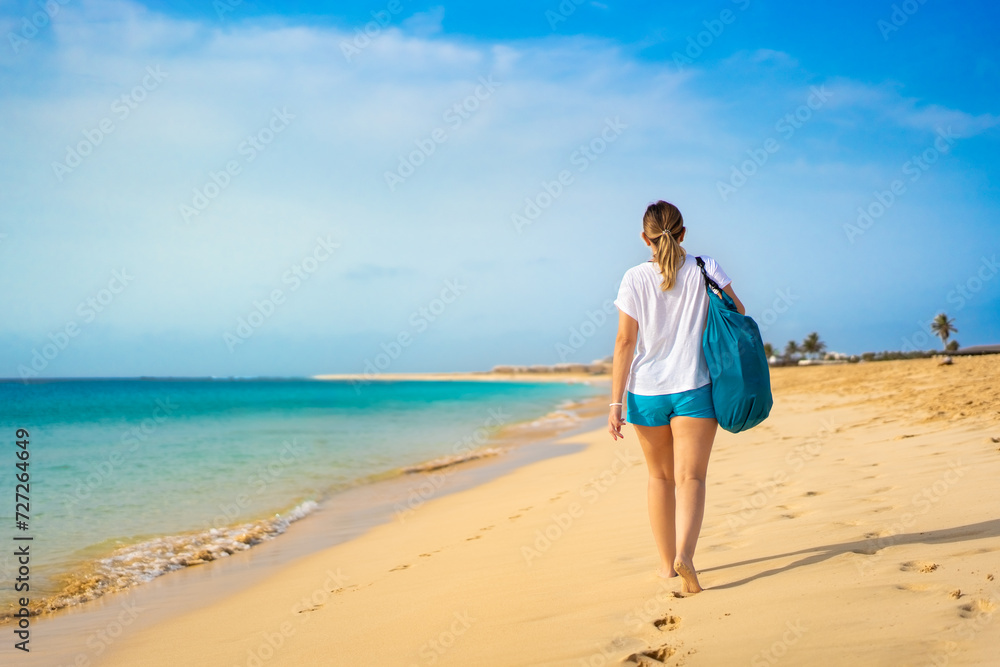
(659,361)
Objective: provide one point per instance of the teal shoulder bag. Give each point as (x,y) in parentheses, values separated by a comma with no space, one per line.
(734,350)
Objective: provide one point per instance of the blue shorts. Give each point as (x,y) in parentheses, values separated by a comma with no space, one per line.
(659,410)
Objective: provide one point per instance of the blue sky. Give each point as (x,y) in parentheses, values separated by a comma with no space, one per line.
(189,190)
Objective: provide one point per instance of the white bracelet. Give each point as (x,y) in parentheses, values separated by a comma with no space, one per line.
(613,404)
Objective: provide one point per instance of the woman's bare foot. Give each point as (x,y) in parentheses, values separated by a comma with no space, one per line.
(665,573)
(688,574)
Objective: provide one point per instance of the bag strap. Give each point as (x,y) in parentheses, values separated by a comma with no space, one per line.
(709,283)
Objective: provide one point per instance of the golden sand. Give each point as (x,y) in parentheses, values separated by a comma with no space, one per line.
(858,525)
(969,389)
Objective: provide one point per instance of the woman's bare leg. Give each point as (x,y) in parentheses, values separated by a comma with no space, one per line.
(657,446)
(692,445)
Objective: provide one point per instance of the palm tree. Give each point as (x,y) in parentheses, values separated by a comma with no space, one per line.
(813,345)
(768,350)
(943,327)
(791,349)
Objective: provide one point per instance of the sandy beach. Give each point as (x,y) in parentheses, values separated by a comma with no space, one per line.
(857,525)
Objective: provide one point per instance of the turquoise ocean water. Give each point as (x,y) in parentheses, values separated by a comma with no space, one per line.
(133,478)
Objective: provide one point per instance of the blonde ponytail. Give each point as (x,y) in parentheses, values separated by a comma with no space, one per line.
(663,224)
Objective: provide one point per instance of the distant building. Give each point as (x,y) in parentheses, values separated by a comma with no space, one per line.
(979,349)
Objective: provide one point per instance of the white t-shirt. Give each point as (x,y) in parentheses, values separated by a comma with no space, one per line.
(668,354)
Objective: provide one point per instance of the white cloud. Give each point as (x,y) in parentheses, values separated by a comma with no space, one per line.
(758,57)
(886,102)
(425,24)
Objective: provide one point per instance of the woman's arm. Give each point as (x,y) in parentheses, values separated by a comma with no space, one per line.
(628,333)
(728,289)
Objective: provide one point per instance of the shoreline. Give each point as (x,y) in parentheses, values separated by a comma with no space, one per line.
(548,375)
(342,516)
(469,376)
(97,570)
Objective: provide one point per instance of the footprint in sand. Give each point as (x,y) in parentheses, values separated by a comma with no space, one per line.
(977,607)
(425,555)
(400,567)
(520,509)
(474,537)
(654,656)
(811,493)
(791,515)
(725,546)
(976,552)
(918,566)
(915,588)
(667,623)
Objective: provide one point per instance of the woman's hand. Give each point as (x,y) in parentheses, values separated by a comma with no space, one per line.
(615,422)
(628,334)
